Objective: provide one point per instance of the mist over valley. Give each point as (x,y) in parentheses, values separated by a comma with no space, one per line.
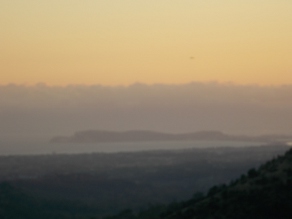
(42,111)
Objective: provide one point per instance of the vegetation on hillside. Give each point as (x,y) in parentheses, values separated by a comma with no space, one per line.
(143,180)
(263,193)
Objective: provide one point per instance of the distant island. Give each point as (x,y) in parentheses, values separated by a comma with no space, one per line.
(95,136)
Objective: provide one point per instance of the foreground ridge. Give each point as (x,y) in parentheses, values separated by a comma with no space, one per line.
(263,193)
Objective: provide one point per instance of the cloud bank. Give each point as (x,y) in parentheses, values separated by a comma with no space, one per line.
(47,111)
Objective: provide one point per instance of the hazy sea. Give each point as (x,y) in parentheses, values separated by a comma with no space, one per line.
(41,147)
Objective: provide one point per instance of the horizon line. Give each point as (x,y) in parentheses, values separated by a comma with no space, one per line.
(211,82)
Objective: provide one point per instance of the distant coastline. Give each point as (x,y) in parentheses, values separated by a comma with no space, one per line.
(95,136)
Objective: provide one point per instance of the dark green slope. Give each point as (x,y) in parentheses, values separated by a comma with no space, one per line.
(130,183)
(263,193)
(15,204)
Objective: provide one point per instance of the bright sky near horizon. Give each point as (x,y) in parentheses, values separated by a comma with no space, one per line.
(120,42)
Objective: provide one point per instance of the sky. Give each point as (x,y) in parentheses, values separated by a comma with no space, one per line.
(121,42)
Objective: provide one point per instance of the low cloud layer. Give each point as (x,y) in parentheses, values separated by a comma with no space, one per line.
(46,111)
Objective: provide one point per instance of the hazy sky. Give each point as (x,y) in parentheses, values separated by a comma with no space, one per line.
(47,111)
(114,42)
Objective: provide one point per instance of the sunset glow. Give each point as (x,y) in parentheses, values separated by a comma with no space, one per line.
(123,42)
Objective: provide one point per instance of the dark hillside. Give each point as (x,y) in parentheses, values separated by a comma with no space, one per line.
(86,185)
(263,193)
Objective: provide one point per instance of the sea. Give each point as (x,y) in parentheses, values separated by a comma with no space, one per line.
(30,147)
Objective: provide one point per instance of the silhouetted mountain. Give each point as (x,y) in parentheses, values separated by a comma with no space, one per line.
(140,135)
(263,193)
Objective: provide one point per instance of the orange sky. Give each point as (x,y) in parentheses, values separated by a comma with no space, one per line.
(127,41)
